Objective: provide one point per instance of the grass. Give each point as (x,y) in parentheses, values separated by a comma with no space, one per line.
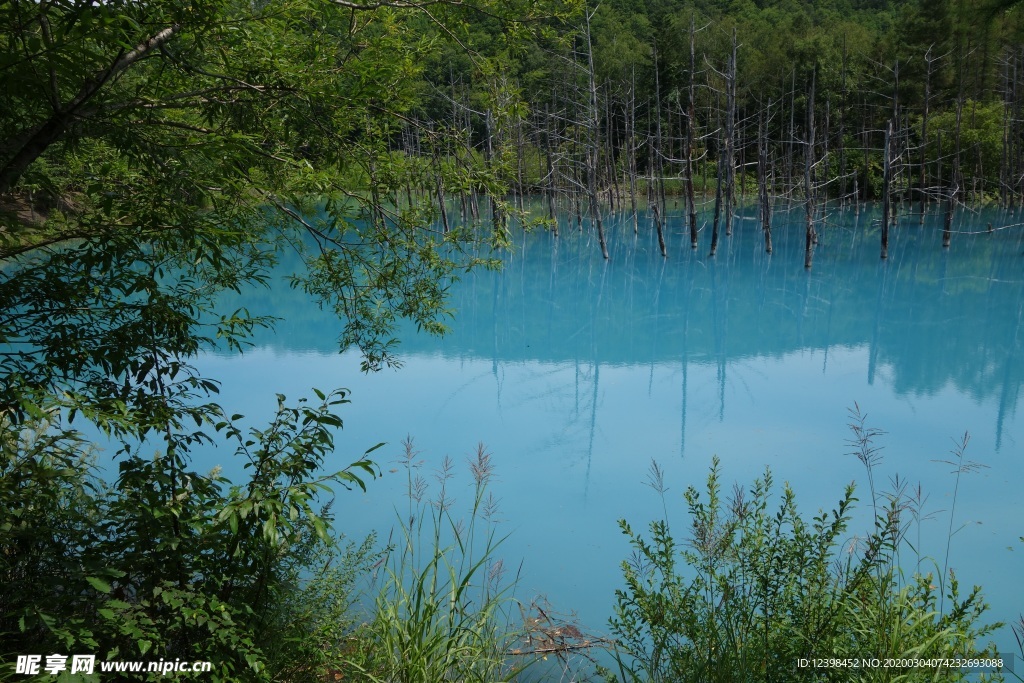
(441,611)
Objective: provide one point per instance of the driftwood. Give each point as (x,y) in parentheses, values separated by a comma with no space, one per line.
(550,633)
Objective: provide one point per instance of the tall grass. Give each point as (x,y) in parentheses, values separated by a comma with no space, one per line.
(442,605)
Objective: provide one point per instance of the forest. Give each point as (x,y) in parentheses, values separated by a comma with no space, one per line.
(912,105)
(159,155)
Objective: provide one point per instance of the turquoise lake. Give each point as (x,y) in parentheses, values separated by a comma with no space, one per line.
(576,373)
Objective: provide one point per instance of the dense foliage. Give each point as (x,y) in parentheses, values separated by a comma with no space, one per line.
(913,102)
(169,564)
(751,591)
(156,154)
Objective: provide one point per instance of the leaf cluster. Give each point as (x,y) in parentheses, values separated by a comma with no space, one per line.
(174,564)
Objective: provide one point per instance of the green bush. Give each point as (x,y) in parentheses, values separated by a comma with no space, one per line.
(167,563)
(752,590)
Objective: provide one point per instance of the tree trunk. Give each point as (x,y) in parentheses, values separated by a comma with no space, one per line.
(592,152)
(790,143)
(720,181)
(631,150)
(811,237)
(762,176)
(922,178)
(842,131)
(730,132)
(955,181)
(659,186)
(656,214)
(657,222)
(549,184)
(886,181)
(691,122)
(1004,170)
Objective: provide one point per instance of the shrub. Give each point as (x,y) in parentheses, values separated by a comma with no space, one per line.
(751,591)
(167,563)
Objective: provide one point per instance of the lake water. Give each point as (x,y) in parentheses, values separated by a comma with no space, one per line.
(576,372)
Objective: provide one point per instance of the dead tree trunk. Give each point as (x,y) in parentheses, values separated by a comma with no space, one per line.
(657,222)
(791,141)
(1016,162)
(894,133)
(657,192)
(842,131)
(730,133)
(474,204)
(922,177)
(811,237)
(1004,162)
(609,154)
(549,184)
(520,163)
(691,122)
(865,187)
(656,209)
(631,150)
(886,189)
(762,177)
(720,181)
(822,174)
(592,148)
(955,181)
(442,204)
(659,156)
(497,217)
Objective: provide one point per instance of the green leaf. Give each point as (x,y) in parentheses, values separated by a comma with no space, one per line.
(99,584)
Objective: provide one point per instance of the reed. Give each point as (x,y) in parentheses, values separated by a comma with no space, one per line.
(442,607)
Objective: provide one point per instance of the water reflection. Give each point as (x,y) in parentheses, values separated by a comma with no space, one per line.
(576,371)
(932,317)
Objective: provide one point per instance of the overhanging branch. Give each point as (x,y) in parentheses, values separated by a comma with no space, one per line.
(32,143)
